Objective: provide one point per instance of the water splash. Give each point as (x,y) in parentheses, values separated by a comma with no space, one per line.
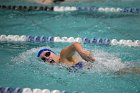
(105,62)
(29,55)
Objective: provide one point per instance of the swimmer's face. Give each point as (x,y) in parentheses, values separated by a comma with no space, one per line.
(48,56)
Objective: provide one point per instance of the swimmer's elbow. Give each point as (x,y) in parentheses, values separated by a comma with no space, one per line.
(77,46)
(75,43)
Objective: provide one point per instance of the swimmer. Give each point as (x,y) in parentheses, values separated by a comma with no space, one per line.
(47,1)
(67,55)
(59,1)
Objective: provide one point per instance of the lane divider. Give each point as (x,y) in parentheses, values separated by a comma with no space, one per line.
(29,90)
(70,8)
(85,40)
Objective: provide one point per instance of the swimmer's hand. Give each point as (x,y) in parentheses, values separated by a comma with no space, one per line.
(87,56)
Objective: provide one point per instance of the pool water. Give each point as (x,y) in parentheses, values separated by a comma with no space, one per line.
(19,66)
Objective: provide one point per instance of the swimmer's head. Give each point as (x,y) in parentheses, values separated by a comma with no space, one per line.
(47,55)
(43,50)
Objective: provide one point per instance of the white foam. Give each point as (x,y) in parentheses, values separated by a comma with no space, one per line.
(29,55)
(106,62)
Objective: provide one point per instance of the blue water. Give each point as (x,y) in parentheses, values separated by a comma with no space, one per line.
(19,66)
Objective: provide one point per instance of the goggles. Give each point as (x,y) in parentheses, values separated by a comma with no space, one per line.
(47,54)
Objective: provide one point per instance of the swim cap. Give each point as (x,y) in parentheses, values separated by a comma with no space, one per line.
(42,50)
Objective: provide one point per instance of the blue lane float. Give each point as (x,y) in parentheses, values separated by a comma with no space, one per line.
(70,8)
(84,40)
(130,10)
(10,90)
(39,39)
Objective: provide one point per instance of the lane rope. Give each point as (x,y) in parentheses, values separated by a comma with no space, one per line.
(71,8)
(85,40)
(29,90)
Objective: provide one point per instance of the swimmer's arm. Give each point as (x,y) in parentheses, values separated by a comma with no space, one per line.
(86,55)
(69,52)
